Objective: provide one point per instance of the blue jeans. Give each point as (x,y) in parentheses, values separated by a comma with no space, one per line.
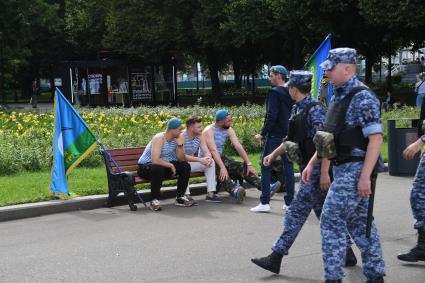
(419,99)
(289,180)
(269,146)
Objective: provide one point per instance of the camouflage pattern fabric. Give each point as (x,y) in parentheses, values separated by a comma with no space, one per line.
(325,145)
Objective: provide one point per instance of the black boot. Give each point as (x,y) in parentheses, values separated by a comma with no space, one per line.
(376,280)
(350,258)
(333,281)
(271,262)
(418,252)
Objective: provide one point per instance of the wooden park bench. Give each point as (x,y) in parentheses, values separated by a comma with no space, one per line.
(125,181)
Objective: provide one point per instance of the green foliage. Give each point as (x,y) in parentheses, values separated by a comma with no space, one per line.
(25,138)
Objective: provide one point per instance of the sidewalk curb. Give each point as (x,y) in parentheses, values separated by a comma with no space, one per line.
(21,211)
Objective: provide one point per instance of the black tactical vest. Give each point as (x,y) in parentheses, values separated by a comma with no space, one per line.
(298,133)
(345,139)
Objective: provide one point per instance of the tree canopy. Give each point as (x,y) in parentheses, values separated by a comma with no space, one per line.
(36,35)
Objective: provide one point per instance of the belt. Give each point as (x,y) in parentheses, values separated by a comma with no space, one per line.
(337,162)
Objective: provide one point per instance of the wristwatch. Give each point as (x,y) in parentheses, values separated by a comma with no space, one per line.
(180,145)
(423,138)
(248,164)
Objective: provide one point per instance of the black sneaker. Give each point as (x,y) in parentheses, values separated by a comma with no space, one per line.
(214,198)
(183,201)
(191,199)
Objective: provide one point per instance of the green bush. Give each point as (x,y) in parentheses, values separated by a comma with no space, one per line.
(26,138)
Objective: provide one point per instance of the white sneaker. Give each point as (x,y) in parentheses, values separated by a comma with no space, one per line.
(261,208)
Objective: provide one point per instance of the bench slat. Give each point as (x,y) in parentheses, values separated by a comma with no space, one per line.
(125,163)
(127,157)
(126,168)
(126,151)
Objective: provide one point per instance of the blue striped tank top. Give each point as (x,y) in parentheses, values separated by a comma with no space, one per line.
(220,138)
(168,152)
(191,146)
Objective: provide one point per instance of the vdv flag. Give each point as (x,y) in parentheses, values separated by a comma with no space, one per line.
(72,142)
(313,66)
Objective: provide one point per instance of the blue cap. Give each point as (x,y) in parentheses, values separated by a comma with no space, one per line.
(300,78)
(279,69)
(339,55)
(221,114)
(174,123)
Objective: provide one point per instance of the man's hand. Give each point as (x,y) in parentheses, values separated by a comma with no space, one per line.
(412,149)
(206,161)
(364,186)
(267,161)
(325,181)
(180,139)
(250,170)
(307,173)
(223,174)
(259,139)
(173,169)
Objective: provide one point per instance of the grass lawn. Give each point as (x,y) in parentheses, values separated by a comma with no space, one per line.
(34,186)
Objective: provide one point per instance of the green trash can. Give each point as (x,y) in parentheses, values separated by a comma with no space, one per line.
(398,139)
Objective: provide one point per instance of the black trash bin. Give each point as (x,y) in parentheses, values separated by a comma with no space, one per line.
(398,139)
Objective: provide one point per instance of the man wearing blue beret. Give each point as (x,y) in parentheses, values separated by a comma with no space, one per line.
(215,136)
(278,110)
(164,158)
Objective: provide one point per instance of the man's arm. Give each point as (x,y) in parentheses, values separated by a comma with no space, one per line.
(368,116)
(278,151)
(372,154)
(181,156)
(208,137)
(156,149)
(267,160)
(413,148)
(237,145)
(242,153)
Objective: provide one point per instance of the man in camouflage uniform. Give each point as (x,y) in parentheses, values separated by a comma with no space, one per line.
(357,134)
(215,136)
(417,200)
(299,145)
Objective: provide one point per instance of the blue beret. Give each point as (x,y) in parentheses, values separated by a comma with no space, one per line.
(339,55)
(279,69)
(300,78)
(221,114)
(174,123)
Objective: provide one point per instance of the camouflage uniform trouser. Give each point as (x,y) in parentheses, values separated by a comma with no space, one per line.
(345,209)
(309,197)
(236,170)
(417,196)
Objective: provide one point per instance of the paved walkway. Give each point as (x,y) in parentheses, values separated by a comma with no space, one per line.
(208,243)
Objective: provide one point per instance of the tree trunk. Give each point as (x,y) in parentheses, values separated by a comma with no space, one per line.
(297,58)
(215,81)
(52,84)
(237,73)
(369,65)
(389,84)
(253,82)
